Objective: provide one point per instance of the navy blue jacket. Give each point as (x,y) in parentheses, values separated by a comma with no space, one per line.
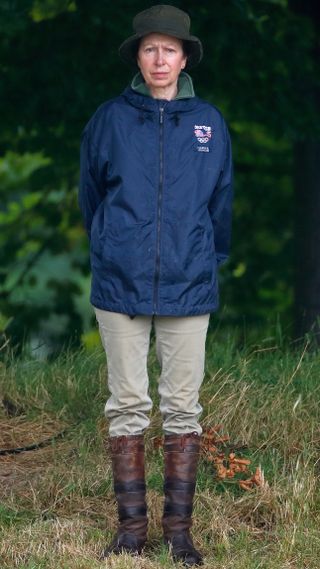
(155,194)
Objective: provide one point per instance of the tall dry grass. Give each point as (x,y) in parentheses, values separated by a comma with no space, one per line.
(57,508)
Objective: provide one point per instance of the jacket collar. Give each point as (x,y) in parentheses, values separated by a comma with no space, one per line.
(185,86)
(139,96)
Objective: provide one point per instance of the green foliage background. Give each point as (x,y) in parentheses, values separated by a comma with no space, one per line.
(58,62)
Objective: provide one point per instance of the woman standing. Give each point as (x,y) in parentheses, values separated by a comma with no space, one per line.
(155,194)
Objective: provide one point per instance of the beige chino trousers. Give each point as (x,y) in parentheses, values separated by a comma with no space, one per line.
(180,347)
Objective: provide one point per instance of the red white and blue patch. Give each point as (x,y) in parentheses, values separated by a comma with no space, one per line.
(203,134)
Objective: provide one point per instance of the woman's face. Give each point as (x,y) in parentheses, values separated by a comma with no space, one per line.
(160,59)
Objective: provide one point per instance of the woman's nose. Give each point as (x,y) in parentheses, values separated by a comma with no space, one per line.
(159,57)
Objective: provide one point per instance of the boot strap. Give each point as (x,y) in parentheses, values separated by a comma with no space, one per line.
(126,512)
(174,509)
(131,486)
(179,486)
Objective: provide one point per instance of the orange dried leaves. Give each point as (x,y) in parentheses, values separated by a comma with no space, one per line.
(257,479)
(227,465)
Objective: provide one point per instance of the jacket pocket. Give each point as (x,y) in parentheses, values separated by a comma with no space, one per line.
(189,258)
(125,249)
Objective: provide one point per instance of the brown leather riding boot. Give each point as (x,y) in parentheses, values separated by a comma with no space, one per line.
(181,453)
(127,453)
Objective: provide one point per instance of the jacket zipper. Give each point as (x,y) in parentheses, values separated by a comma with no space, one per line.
(160,191)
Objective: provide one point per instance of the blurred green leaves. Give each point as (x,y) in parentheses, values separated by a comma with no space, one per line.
(15,169)
(47,9)
(41,251)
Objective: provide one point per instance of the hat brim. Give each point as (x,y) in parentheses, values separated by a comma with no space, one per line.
(129,48)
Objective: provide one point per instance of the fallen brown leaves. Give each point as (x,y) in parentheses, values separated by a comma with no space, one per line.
(226,464)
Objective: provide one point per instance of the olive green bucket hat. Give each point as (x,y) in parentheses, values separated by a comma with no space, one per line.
(162,19)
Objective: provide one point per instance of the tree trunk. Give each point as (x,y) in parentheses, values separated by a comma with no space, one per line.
(307,237)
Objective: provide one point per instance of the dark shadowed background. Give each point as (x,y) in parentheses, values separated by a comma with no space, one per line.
(59,61)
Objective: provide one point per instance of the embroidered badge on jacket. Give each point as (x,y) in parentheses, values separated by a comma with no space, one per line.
(203,133)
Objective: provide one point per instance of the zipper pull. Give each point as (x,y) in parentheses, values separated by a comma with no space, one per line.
(161,115)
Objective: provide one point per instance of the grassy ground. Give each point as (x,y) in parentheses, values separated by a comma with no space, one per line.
(56,504)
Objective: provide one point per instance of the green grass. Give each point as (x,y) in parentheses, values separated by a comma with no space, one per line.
(57,508)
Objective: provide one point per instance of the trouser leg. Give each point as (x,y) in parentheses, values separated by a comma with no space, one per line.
(181,352)
(180,344)
(126,343)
